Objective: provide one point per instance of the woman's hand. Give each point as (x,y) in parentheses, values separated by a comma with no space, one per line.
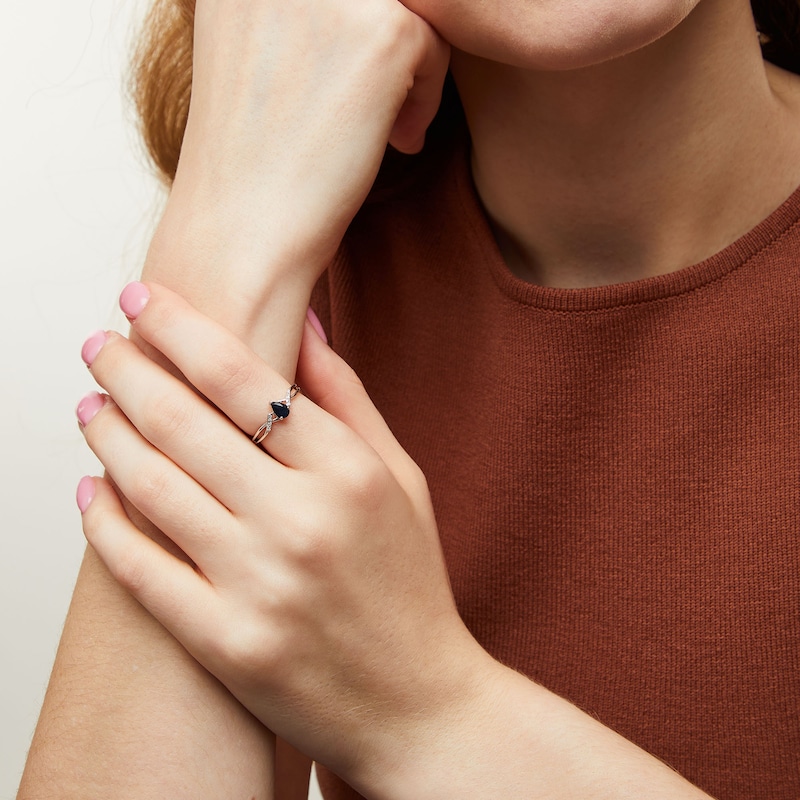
(318,593)
(292,108)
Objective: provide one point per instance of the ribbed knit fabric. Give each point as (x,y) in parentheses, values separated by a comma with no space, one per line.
(615,471)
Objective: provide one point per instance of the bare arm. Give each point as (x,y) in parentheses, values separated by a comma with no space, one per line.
(253,218)
(336,627)
(128,712)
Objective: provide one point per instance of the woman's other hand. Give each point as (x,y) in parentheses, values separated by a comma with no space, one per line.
(292,108)
(319,594)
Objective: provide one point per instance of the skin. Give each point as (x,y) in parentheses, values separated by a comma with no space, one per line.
(552,34)
(546,98)
(219,215)
(623,171)
(287,601)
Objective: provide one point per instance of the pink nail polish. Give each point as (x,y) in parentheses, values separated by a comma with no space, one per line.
(133,299)
(317,325)
(85,493)
(92,346)
(89,406)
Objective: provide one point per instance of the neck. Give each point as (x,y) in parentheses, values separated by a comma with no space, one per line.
(639,166)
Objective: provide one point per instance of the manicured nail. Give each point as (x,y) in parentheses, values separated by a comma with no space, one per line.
(92,346)
(85,493)
(317,325)
(133,299)
(89,406)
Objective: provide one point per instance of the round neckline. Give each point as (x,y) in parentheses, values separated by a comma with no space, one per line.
(613,296)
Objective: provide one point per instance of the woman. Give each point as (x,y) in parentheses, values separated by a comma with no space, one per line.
(581,327)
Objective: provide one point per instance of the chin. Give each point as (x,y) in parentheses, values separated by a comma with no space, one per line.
(552,34)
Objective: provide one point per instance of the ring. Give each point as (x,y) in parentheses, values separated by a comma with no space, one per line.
(280,410)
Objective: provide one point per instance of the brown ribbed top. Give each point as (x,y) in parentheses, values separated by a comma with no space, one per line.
(615,470)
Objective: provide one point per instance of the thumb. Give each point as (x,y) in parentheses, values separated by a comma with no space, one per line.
(334,386)
(424,97)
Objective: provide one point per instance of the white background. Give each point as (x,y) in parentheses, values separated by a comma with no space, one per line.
(78,203)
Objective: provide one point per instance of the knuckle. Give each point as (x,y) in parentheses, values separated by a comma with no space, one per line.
(233,645)
(230,374)
(417,481)
(314,549)
(167,415)
(364,481)
(388,27)
(351,379)
(130,570)
(312,541)
(398,21)
(150,487)
(251,649)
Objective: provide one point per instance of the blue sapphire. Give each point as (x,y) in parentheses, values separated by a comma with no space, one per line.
(280,409)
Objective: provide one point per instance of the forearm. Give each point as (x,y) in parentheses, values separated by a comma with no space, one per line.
(274,165)
(513,738)
(128,714)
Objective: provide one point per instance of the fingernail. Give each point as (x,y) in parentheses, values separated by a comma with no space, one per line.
(317,325)
(133,299)
(89,406)
(85,493)
(92,346)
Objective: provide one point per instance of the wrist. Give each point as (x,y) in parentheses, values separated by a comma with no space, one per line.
(431,750)
(248,237)
(261,298)
(514,738)
(227,252)
(259,293)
